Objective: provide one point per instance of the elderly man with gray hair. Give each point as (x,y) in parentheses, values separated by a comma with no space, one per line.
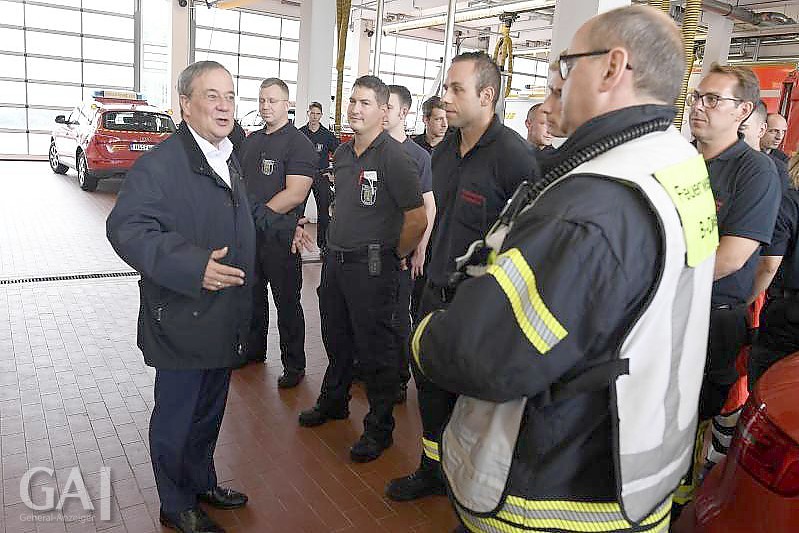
(577,340)
(182,220)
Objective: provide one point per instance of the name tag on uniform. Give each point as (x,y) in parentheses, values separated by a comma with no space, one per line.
(368,187)
(688,186)
(319,147)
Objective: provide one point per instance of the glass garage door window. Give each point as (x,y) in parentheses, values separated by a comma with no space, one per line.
(252,46)
(53,54)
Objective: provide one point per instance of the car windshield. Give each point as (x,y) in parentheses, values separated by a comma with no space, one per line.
(141,121)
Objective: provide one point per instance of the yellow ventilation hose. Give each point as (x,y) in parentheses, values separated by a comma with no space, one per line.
(342,26)
(503,51)
(690,20)
(663,5)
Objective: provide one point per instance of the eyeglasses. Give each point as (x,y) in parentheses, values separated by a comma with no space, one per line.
(273,101)
(709,100)
(566,61)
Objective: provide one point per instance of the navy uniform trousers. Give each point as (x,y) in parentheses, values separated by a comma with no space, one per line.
(184,427)
(358,313)
(282,270)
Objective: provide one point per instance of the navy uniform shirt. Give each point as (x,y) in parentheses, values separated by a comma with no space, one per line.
(324,142)
(778,155)
(747,191)
(472,190)
(267,158)
(373,192)
(785,241)
(422,160)
(421,140)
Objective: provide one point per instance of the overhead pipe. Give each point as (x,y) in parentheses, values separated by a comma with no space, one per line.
(467,15)
(378,38)
(745,15)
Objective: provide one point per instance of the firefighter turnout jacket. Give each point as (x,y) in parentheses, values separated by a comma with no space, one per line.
(579,353)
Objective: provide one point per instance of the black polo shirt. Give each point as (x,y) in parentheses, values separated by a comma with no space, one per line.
(268,157)
(423,165)
(747,191)
(373,192)
(421,140)
(324,142)
(778,155)
(785,240)
(472,190)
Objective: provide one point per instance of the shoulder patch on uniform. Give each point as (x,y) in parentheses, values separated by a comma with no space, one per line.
(517,281)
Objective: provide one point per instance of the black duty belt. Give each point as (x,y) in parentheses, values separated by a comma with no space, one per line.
(787,294)
(359,256)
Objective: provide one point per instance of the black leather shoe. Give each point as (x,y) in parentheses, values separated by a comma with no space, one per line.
(368,449)
(191,521)
(423,482)
(316,416)
(224,498)
(290,379)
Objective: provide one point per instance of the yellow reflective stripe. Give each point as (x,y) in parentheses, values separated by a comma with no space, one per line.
(417,338)
(517,280)
(430,449)
(569,525)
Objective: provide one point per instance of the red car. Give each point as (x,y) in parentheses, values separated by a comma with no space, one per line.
(756,488)
(103,137)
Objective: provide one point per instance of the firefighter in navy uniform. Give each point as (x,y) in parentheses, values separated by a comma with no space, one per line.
(378,219)
(279,166)
(776,127)
(577,346)
(475,172)
(434,118)
(325,144)
(778,334)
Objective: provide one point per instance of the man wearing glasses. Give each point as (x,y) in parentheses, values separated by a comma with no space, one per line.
(747,192)
(279,164)
(578,351)
(776,127)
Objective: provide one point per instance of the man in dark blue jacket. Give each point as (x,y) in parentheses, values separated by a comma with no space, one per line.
(182,220)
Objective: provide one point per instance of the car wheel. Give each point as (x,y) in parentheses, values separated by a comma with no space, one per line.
(57,167)
(86,181)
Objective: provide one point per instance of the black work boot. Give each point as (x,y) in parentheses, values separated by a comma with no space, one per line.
(426,481)
(192,520)
(369,448)
(318,415)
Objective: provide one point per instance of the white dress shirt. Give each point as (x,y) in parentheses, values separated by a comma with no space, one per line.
(217,157)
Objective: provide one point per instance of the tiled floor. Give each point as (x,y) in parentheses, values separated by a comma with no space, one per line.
(75,392)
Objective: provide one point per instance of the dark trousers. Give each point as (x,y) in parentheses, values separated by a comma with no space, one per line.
(729,331)
(184,427)
(777,336)
(277,267)
(321,193)
(404,321)
(435,403)
(358,321)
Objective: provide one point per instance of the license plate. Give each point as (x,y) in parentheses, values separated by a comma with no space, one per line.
(139,147)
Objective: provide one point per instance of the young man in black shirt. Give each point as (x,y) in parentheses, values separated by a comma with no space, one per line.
(325,143)
(435,122)
(476,170)
(279,166)
(378,219)
(776,127)
(747,192)
(412,278)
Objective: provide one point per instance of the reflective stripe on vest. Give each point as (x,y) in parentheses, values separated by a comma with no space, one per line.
(519,515)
